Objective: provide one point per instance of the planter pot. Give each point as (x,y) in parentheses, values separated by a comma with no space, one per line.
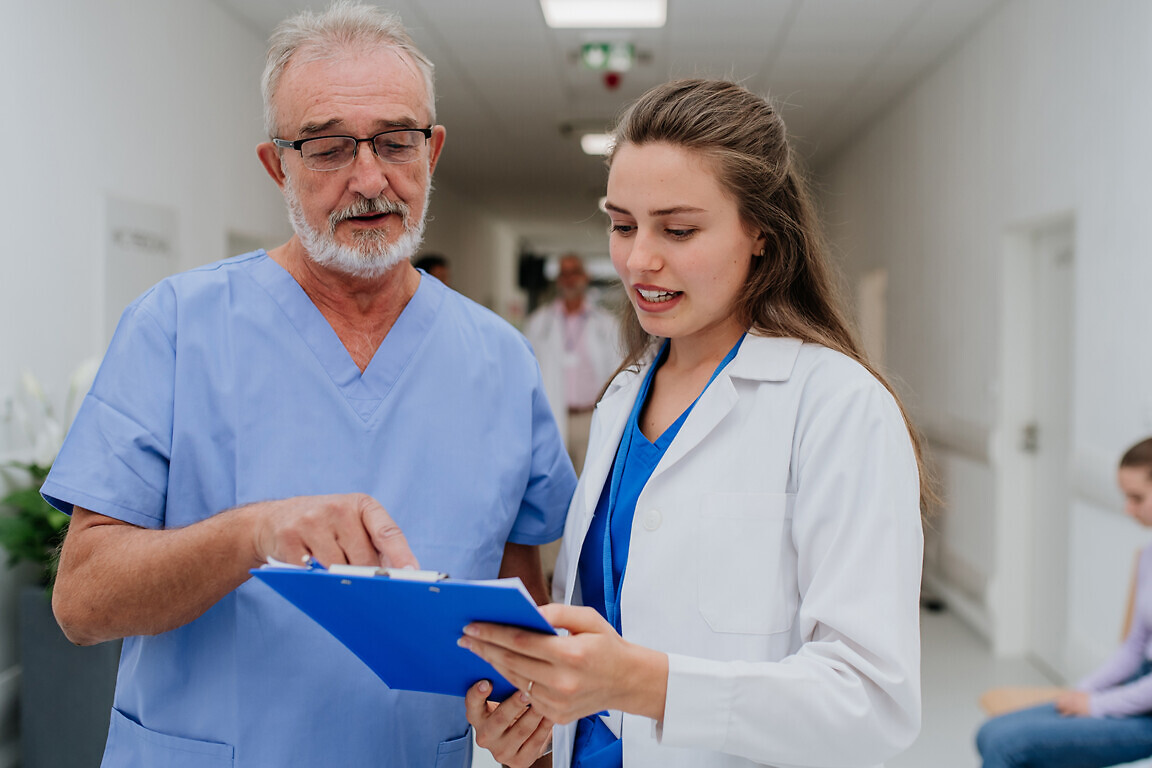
(65,690)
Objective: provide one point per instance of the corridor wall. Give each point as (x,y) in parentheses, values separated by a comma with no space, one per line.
(1041,115)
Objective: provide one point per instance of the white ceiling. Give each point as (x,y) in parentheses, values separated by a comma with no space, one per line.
(507,84)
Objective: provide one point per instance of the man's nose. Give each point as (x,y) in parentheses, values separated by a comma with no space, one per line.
(369,174)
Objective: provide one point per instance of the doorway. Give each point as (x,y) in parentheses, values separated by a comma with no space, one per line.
(1036,423)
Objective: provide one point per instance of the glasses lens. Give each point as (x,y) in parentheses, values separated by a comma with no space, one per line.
(328,153)
(398,146)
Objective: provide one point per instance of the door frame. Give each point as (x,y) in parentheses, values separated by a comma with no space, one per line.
(1011,592)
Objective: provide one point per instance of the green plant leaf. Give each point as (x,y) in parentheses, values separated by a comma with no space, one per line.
(32,529)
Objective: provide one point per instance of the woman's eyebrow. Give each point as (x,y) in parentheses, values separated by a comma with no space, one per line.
(659,211)
(675,210)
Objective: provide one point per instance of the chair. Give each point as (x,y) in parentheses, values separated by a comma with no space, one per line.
(1009,698)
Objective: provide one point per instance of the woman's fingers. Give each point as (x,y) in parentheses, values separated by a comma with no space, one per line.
(523,642)
(575,618)
(490,643)
(559,671)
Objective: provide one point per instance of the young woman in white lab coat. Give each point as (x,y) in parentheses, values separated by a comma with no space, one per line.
(740,571)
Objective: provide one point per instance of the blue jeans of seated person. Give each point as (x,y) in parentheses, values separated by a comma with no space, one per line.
(1040,737)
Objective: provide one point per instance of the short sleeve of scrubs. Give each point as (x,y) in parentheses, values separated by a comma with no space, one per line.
(550,482)
(115,461)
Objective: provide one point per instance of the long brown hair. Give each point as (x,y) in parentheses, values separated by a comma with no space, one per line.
(791,290)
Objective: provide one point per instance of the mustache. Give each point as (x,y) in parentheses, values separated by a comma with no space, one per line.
(368,207)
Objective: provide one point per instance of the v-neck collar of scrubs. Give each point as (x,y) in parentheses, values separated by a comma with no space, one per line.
(364,391)
(636,460)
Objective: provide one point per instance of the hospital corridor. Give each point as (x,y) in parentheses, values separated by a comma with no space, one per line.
(348,267)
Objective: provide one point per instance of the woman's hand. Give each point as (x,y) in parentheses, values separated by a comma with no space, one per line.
(1074,704)
(515,733)
(566,678)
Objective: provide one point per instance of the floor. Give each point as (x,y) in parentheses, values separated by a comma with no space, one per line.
(956,668)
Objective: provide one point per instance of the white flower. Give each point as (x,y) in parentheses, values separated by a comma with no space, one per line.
(78,385)
(34,415)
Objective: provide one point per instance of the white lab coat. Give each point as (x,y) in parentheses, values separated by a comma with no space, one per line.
(545,331)
(775,556)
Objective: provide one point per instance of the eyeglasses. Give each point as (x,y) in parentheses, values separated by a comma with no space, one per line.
(331,153)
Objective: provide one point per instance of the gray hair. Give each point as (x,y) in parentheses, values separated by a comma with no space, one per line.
(346,24)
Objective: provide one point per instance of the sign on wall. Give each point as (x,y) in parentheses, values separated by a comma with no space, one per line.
(141,250)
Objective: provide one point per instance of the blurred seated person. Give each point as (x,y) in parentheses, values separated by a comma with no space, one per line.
(1107,718)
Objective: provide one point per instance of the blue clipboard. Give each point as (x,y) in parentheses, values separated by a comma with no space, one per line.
(405,626)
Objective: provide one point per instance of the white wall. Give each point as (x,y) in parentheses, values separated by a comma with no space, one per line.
(483,251)
(1043,112)
(156,102)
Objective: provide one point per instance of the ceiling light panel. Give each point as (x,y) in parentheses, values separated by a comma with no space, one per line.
(604,14)
(596,143)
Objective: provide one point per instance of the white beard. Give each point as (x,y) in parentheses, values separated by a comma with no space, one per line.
(372,255)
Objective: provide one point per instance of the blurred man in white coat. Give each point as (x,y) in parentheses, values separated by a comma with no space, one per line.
(577,345)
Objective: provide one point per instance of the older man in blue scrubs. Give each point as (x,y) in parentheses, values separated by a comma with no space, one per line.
(275,405)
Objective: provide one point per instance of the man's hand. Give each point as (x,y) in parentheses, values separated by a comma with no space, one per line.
(117,579)
(515,733)
(339,529)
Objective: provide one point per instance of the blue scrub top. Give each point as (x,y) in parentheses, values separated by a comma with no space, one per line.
(224,386)
(604,555)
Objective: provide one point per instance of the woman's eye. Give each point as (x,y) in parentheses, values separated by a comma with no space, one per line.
(623,229)
(680,234)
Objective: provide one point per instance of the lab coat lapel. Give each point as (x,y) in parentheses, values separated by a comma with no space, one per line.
(611,416)
(714,404)
(607,427)
(759,359)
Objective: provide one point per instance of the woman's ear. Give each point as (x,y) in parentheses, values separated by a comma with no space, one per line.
(760,245)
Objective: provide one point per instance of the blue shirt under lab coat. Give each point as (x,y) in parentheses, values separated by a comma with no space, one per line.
(224,386)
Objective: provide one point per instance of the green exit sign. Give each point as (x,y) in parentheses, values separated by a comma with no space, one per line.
(611,57)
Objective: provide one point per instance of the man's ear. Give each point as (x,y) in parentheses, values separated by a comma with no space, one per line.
(435,146)
(269,155)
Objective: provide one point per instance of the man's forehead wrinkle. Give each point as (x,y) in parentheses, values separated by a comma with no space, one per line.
(335,55)
(410,66)
(308,108)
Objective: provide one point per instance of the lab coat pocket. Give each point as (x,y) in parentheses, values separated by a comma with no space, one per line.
(455,753)
(747,564)
(131,745)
